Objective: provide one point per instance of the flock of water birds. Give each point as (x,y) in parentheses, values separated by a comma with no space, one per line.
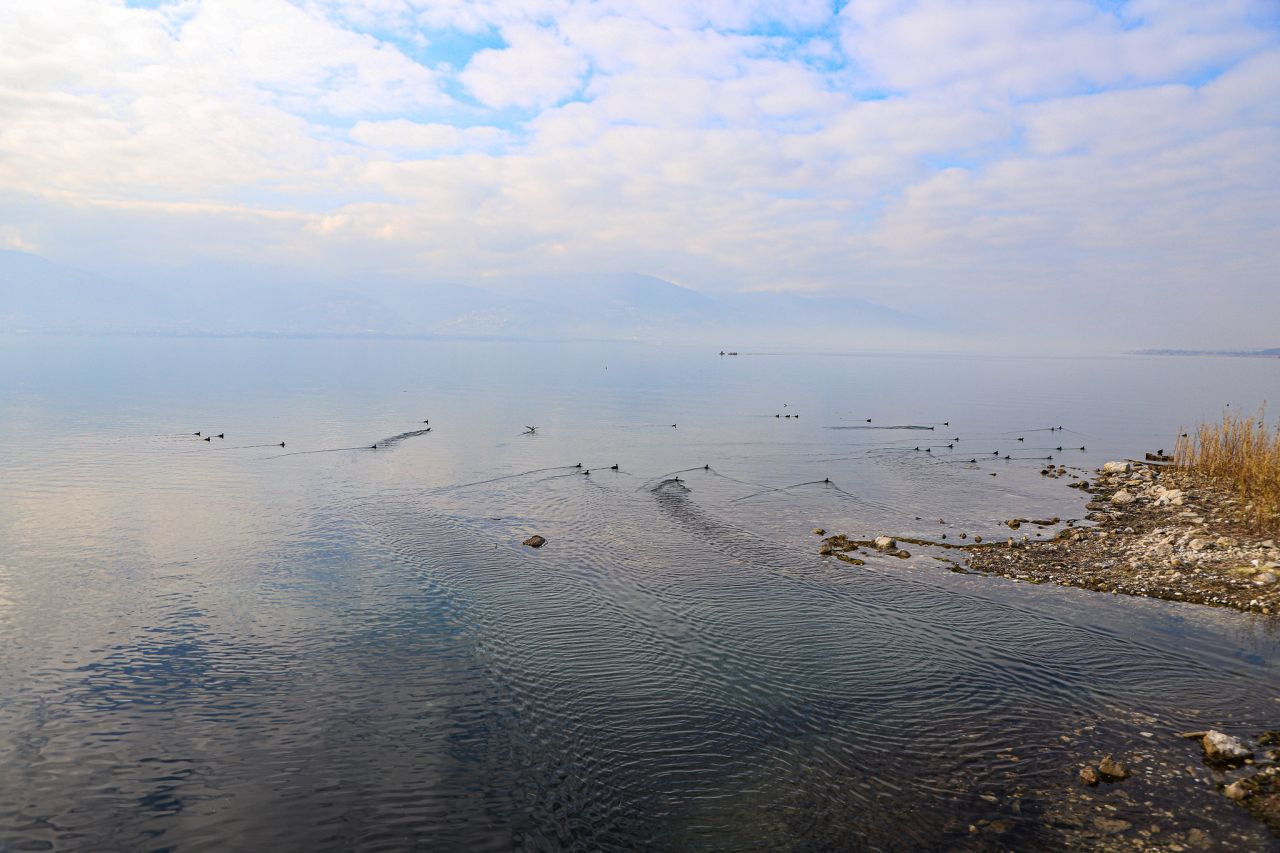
(893,447)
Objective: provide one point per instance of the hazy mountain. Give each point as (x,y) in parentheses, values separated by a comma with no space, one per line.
(40,295)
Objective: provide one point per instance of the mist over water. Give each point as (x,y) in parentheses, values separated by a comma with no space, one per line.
(234,644)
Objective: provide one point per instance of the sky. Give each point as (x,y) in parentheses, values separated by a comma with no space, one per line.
(1034,169)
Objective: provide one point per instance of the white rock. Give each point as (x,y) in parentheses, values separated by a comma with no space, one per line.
(1198,544)
(1223,747)
(1265,579)
(1122,497)
(1117,467)
(884,543)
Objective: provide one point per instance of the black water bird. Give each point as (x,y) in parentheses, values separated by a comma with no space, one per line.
(613,467)
(197,433)
(826,479)
(282,444)
(373,447)
(1059,448)
(928,450)
(1082,447)
(995,453)
(530,430)
(426,422)
(777,416)
(951,447)
(221,435)
(917,447)
(868,420)
(673,426)
(706,467)
(1022,439)
(208,438)
(586,473)
(579,465)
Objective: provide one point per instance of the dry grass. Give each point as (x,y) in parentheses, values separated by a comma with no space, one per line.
(1243,455)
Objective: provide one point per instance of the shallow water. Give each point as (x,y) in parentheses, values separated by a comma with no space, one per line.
(233,644)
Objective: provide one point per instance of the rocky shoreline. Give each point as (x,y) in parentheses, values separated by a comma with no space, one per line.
(1152,530)
(1157,532)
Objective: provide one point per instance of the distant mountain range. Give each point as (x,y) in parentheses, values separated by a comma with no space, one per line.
(39,295)
(1270,352)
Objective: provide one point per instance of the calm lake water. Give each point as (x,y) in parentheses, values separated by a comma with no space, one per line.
(235,645)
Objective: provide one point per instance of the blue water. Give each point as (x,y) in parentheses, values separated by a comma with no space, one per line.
(233,644)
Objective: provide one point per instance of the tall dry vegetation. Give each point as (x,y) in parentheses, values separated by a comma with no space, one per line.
(1242,454)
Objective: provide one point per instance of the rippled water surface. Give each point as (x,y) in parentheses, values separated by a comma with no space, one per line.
(232,644)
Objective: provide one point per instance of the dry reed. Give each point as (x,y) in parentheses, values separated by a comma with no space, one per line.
(1243,455)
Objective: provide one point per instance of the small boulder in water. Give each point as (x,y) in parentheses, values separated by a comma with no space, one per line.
(885,543)
(1089,776)
(535,541)
(1112,770)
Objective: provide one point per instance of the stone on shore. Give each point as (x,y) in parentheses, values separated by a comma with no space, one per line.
(885,543)
(1236,791)
(1223,748)
(1123,498)
(1117,467)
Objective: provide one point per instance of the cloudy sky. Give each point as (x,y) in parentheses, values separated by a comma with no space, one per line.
(1078,168)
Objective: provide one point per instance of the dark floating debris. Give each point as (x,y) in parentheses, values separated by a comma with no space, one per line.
(535,541)
(530,430)
(896,426)
(396,439)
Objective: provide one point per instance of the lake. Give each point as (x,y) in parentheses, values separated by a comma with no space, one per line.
(231,644)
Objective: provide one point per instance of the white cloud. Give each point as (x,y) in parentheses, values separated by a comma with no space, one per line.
(400,133)
(536,68)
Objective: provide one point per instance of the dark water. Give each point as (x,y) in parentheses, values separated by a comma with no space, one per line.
(230,644)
